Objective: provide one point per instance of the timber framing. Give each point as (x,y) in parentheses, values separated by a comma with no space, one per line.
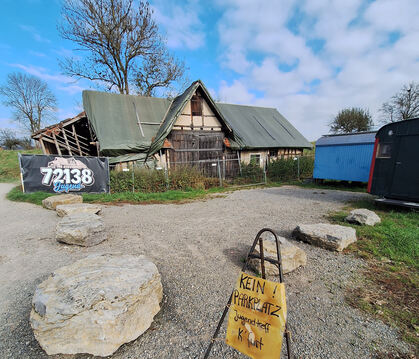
(73,137)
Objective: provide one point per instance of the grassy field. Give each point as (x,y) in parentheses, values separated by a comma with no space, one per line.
(124,197)
(9,165)
(389,287)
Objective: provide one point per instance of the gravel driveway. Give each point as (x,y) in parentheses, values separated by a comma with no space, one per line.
(198,248)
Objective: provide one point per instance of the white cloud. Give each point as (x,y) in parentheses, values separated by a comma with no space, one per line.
(181,23)
(43,74)
(34,33)
(61,83)
(359,63)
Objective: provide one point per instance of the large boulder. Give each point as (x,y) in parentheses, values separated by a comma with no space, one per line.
(82,229)
(75,208)
(292,256)
(54,201)
(96,304)
(324,235)
(363,216)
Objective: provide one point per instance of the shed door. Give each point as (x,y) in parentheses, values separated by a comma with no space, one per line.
(406,169)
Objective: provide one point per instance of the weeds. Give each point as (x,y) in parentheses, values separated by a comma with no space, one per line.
(389,288)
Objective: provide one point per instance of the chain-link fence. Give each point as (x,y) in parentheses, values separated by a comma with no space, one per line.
(204,174)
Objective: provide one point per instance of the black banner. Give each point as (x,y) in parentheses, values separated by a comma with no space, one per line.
(64,174)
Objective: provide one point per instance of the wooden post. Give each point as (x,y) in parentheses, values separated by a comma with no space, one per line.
(66,142)
(56,143)
(42,146)
(77,140)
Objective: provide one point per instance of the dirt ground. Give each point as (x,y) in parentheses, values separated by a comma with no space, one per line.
(198,248)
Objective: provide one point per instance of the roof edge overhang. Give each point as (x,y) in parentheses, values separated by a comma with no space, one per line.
(63,123)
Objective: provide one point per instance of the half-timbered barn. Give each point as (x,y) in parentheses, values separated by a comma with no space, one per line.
(189,129)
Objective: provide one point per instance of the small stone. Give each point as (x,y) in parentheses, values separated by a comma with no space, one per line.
(83,229)
(292,256)
(53,201)
(329,236)
(363,216)
(67,209)
(96,304)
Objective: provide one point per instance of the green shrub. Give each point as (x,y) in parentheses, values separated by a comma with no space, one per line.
(287,169)
(250,173)
(186,177)
(152,181)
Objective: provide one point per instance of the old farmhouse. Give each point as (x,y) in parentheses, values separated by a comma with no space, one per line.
(191,128)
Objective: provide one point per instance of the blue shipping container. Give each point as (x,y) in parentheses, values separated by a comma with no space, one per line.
(344,157)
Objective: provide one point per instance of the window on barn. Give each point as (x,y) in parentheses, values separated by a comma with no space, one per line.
(196,104)
(255,159)
(384,150)
(273,153)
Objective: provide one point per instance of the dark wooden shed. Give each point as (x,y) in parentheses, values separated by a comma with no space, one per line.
(395,164)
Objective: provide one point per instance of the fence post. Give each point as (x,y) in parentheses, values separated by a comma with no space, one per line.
(240,165)
(298,168)
(264,172)
(133,177)
(219,172)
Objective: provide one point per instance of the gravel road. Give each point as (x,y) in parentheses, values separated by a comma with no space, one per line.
(198,248)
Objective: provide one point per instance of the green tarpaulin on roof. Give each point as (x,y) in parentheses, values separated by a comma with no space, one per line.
(124,124)
(261,127)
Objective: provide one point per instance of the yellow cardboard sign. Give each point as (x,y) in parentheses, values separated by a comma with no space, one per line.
(257,317)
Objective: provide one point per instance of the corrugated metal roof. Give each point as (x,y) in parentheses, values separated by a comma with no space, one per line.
(261,127)
(346,139)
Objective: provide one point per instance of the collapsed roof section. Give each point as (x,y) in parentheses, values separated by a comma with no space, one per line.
(72,136)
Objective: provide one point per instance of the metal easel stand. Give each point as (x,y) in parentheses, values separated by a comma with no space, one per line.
(278,263)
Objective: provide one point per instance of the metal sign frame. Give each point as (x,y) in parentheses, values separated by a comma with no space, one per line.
(250,255)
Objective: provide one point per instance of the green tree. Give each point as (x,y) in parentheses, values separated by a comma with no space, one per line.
(351,120)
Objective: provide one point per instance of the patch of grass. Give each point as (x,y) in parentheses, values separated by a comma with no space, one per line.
(334,185)
(177,196)
(17,195)
(389,287)
(9,164)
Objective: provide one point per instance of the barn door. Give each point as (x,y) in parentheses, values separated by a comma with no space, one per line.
(405,182)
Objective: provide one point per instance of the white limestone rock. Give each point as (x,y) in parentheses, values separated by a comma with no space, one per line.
(82,229)
(363,216)
(75,208)
(54,201)
(292,256)
(329,236)
(96,304)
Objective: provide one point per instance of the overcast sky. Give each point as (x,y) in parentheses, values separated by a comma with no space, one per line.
(308,59)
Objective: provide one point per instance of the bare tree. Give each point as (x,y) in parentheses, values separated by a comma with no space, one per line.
(32,101)
(351,120)
(158,70)
(403,105)
(121,44)
(8,139)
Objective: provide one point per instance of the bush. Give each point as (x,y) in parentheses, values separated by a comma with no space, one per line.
(287,169)
(250,173)
(149,181)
